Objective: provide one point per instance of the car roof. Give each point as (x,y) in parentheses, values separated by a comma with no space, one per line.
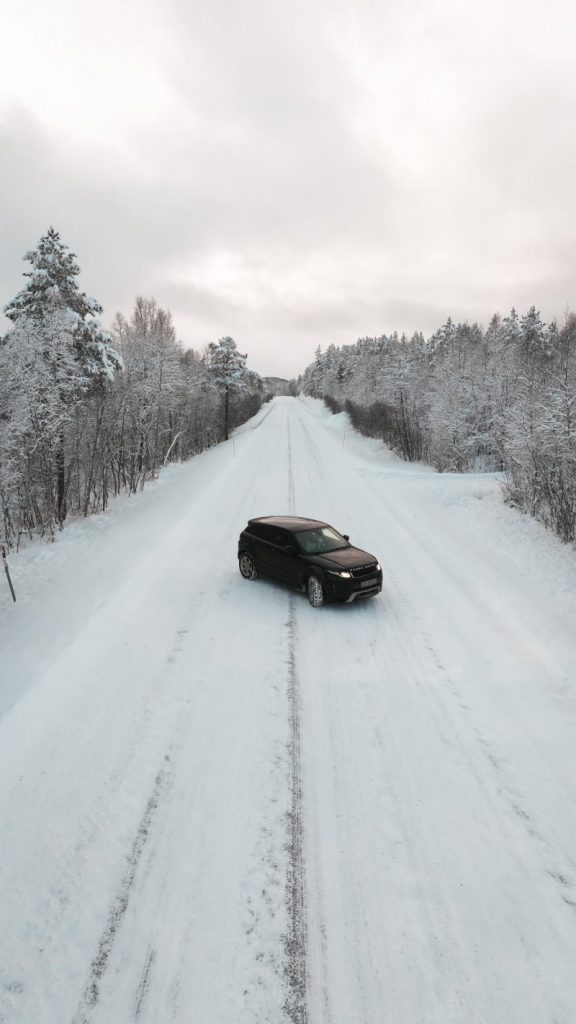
(289,522)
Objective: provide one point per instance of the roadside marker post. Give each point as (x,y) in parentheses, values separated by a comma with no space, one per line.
(7,571)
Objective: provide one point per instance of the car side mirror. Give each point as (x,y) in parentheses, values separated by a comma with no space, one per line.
(346,537)
(290,549)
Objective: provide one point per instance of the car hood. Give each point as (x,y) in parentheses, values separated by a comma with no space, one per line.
(346,558)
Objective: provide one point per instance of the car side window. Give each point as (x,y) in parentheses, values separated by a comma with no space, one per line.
(279,538)
(259,531)
(306,541)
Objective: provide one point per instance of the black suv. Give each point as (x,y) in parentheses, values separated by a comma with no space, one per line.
(310,555)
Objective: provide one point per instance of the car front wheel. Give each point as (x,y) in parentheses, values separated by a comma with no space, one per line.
(247,566)
(315,592)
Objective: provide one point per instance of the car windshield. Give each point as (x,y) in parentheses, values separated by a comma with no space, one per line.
(320,540)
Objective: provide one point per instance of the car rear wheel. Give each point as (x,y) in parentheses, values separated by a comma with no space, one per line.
(315,592)
(247,566)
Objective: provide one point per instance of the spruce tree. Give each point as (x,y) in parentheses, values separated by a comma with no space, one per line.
(228,370)
(51,288)
(52,313)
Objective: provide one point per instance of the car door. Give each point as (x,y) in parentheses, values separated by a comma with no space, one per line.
(284,563)
(260,534)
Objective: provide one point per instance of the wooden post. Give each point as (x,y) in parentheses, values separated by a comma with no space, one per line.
(226,411)
(7,571)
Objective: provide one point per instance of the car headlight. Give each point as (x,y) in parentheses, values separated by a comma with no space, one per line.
(378,567)
(340,572)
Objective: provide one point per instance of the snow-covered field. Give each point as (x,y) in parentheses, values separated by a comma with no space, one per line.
(222,806)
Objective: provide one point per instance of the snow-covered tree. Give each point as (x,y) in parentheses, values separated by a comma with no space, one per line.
(52,286)
(40,380)
(534,336)
(72,430)
(150,385)
(502,398)
(51,300)
(228,372)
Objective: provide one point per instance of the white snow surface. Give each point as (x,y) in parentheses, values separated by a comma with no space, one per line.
(148,702)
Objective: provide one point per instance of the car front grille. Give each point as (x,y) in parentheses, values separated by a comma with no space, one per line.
(361,571)
(359,595)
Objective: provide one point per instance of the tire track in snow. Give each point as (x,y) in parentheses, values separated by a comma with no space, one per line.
(296,939)
(144,982)
(318,484)
(454,721)
(365,992)
(316,915)
(291,494)
(119,905)
(463,721)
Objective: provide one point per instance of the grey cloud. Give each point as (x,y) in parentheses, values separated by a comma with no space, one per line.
(319,172)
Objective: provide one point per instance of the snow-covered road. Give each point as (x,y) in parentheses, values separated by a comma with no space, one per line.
(222,806)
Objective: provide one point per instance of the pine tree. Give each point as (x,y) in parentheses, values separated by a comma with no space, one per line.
(52,287)
(52,297)
(533,335)
(36,397)
(228,371)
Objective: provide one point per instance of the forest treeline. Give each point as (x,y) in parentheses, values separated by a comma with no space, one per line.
(85,413)
(501,398)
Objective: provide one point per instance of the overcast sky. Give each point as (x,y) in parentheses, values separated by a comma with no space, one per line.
(295,173)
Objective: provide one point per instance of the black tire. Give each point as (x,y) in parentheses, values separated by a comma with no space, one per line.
(247,566)
(315,591)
